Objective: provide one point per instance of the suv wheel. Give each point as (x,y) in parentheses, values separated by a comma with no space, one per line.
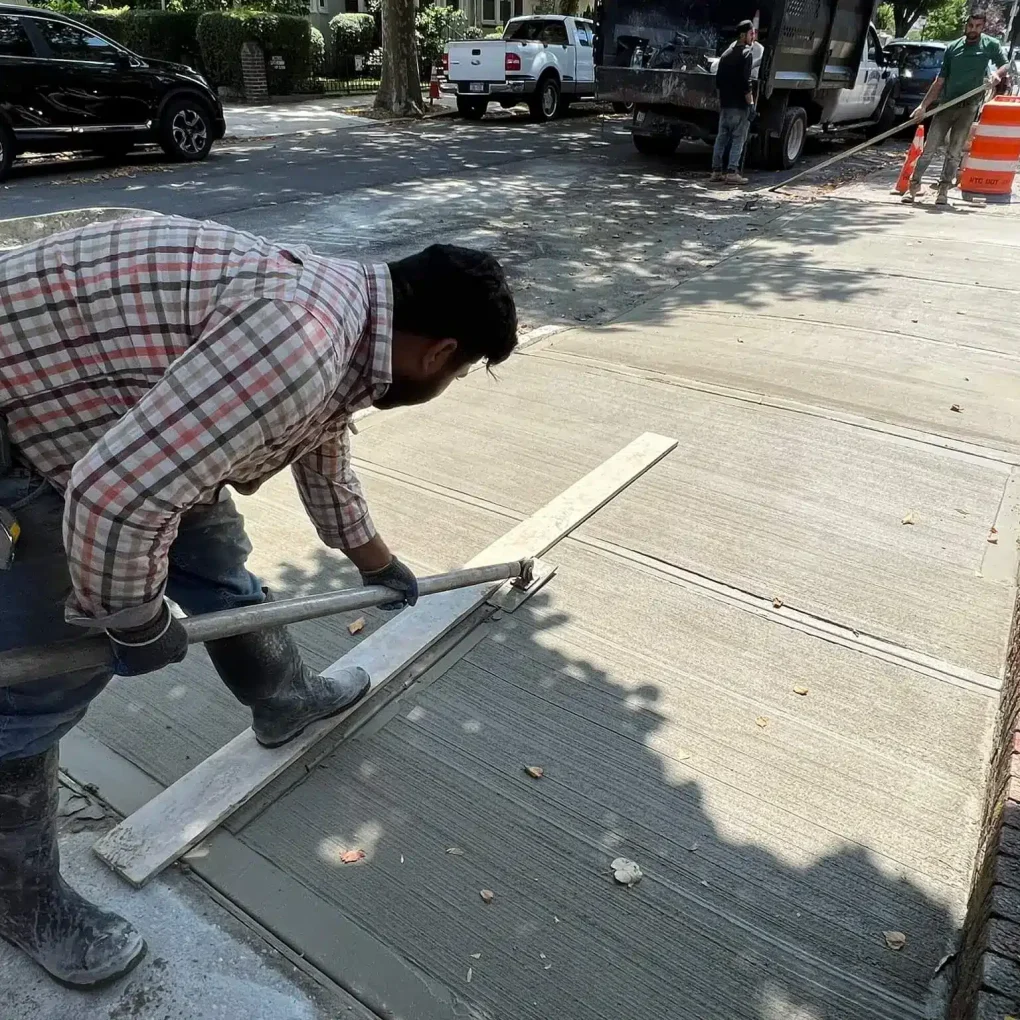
(6,150)
(185,129)
(545,103)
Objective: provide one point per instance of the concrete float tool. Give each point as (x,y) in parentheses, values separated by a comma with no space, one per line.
(878,138)
(22,665)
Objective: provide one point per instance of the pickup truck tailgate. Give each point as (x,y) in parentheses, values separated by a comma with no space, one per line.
(479,61)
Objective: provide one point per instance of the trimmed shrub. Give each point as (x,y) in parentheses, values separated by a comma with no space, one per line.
(493,35)
(316,52)
(221,34)
(354,34)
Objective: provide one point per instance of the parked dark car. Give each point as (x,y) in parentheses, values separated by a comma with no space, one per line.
(919,64)
(65,87)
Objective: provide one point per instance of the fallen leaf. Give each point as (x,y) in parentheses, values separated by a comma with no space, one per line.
(356,625)
(535,771)
(762,721)
(469,973)
(800,690)
(909,519)
(476,956)
(955,407)
(352,856)
(548,966)
(994,531)
(777,602)
(455,850)
(487,895)
(626,871)
(992,540)
(541,956)
(894,939)
(556,919)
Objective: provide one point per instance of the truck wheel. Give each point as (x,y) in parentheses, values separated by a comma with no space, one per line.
(623,107)
(472,109)
(545,104)
(6,150)
(787,149)
(653,146)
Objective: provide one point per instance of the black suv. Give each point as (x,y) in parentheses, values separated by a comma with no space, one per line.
(64,87)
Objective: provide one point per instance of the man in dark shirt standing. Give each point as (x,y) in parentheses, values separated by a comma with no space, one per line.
(733,83)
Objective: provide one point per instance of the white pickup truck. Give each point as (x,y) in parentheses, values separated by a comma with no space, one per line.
(545,61)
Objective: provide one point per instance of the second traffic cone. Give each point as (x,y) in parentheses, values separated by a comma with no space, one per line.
(913,154)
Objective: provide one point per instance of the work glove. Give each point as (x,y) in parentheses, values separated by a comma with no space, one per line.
(150,647)
(399,578)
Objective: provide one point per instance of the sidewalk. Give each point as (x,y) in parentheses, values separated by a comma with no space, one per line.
(768,672)
(317,115)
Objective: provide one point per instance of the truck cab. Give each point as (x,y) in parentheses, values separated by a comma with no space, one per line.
(821,66)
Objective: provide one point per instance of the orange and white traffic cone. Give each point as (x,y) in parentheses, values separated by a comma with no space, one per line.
(913,154)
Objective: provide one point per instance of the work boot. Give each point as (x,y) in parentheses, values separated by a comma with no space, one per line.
(913,190)
(715,177)
(734,178)
(264,671)
(78,943)
(942,198)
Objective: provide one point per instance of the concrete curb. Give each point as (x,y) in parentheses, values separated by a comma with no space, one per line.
(988,976)
(25,229)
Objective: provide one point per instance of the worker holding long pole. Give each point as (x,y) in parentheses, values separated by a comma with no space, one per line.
(964,68)
(146,364)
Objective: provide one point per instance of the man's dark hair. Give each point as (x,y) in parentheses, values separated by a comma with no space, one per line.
(745,26)
(450,292)
(978,15)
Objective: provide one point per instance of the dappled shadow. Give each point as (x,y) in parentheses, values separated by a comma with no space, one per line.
(757,902)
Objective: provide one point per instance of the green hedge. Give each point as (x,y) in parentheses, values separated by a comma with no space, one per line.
(317,52)
(161,35)
(221,34)
(353,34)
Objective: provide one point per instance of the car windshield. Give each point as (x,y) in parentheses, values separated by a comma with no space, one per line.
(918,58)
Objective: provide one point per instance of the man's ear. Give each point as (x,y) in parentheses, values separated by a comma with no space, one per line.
(437,355)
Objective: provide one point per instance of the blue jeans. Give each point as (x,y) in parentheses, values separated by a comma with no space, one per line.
(206,573)
(732,135)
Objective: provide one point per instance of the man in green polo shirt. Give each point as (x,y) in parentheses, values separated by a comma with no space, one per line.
(964,67)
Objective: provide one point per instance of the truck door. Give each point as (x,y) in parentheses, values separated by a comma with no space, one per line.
(584,56)
(859,101)
(557,52)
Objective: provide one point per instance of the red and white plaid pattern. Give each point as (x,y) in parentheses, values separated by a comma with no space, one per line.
(144,363)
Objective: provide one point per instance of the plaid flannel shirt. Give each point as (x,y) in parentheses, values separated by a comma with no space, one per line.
(145,363)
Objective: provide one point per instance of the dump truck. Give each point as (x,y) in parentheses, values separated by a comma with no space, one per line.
(820,65)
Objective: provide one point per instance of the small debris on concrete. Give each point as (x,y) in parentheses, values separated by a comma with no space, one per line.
(487,895)
(476,956)
(455,851)
(802,691)
(956,408)
(909,519)
(894,939)
(777,602)
(762,721)
(469,975)
(626,871)
(352,856)
(356,626)
(535,771)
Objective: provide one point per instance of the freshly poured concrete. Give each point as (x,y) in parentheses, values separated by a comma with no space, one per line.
(781,833)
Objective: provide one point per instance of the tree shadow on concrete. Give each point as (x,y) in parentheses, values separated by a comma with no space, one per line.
(757,903)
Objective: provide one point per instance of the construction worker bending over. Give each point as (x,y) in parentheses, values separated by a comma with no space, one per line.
(964,68)
(146,364)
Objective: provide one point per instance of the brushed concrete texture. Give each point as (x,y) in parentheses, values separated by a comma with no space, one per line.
(762,499)
(167,722)
(774,856)
(884,377)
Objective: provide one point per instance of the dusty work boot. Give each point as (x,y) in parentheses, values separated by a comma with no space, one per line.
(913,190)
(264,670)
(715,177)
(734,178)
(78,943)
(942,198)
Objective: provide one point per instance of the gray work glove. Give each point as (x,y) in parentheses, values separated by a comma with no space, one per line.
(150,647)
(399,578)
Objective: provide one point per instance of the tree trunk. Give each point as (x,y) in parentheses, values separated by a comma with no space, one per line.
(400,87)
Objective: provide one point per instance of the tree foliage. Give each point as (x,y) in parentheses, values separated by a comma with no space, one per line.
(946,21)
(885,19)
(354,34)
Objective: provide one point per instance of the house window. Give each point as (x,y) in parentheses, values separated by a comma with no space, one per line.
(518,8)
(504,11)
(489,12)
(453,4)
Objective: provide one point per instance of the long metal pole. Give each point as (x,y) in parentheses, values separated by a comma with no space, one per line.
(878,138)
(42,662)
